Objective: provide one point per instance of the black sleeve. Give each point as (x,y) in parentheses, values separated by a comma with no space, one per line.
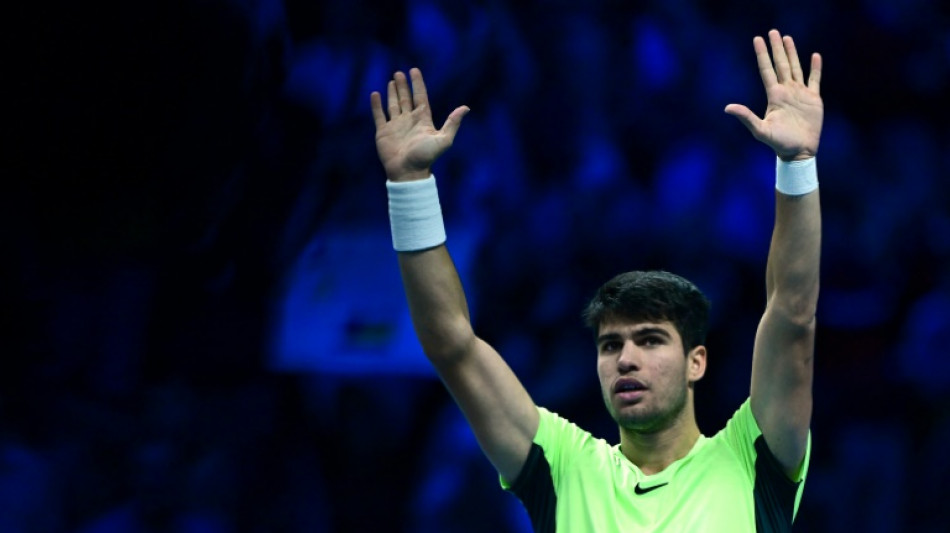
(774,492)
(535,488)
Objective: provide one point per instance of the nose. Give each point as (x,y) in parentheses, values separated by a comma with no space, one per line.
(629,359)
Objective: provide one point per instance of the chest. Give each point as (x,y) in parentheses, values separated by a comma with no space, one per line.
(710,492)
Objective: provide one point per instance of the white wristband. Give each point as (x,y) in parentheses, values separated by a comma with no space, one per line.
(796,178)
(415,216)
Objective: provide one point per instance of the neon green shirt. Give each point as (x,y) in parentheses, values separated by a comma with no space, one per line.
(729,483)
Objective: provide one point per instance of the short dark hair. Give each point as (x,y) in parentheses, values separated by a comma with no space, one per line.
(653,295)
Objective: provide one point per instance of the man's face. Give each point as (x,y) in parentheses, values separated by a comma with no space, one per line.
(644,373)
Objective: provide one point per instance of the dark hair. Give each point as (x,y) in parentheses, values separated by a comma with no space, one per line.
(652,296)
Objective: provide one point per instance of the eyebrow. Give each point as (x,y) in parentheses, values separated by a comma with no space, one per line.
(640,332)
(608,337)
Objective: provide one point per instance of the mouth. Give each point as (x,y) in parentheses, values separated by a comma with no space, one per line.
(629,389)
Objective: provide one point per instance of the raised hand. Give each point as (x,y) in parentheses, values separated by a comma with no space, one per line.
(407,142)
(792,122)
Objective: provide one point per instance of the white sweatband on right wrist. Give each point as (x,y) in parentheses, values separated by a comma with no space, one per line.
(415,215)
(796,178)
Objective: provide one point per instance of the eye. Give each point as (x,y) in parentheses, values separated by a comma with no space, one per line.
(610,346)
(651,340)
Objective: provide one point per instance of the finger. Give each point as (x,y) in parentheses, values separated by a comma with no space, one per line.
(402,91)
(747,118)
(793,62)
(782,70)
(765,64)
(392,100)
(376,103)
(452,123)
(814,73)
(419,95)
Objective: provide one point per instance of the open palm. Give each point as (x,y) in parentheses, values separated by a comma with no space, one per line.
(408,143)
(792,122)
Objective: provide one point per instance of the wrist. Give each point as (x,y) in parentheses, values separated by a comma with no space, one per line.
(796,177)
(401,175)
(415,214)
(797,157)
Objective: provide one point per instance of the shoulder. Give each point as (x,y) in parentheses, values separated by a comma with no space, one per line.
(776,496)
(743,436)
(734,444)
(558,433)
(567,466)
(565,446)
(741,428)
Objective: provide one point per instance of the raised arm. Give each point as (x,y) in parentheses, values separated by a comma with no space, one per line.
(499,410)
(782,364)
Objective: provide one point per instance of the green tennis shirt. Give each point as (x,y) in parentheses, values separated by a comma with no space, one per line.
(729,483)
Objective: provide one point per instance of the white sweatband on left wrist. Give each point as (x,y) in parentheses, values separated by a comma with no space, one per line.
(796,178)
(415,215)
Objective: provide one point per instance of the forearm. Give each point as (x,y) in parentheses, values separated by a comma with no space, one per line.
(436,302)
(783,357)
(433,289)
(792,276)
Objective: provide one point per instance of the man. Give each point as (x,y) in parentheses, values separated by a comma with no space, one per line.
(650,328)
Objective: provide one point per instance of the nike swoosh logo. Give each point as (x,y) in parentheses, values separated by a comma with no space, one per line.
(638,490)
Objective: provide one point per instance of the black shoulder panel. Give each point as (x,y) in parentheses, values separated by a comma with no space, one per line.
(774,492)
(535,488)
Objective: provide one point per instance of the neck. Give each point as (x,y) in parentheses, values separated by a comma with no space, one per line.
(653,451)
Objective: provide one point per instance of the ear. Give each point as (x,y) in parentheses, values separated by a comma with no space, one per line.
(696,364)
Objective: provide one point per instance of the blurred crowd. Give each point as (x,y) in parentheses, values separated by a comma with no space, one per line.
(173,163)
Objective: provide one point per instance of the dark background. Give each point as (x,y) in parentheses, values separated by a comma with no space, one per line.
(203,325)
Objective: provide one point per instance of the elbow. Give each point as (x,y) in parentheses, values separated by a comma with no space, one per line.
(446,341)
(797,306)
(796,312)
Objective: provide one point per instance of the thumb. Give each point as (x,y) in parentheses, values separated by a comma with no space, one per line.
(746,117)
(451,126)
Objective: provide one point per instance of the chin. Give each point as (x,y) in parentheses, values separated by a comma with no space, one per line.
(634,418)
(642,420)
